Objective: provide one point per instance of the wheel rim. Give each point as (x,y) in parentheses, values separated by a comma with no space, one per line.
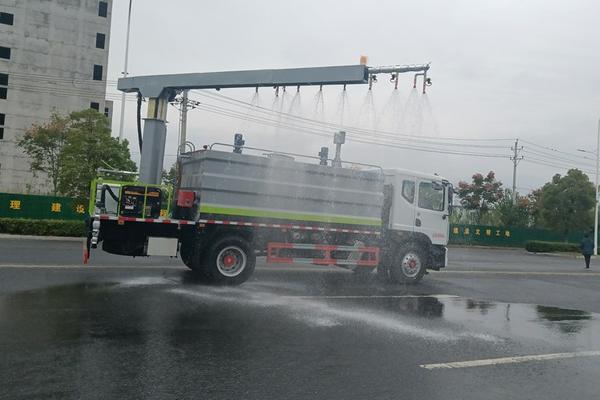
(411,264)
(231,261)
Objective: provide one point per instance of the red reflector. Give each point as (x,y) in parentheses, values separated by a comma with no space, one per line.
(185,198)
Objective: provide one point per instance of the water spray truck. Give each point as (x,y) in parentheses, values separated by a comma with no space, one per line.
(233,202)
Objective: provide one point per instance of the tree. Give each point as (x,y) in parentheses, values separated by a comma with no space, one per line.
(482,194)
(44,144)
(513,215)
(89,147)
(566,203)
(170,178)
(534,201)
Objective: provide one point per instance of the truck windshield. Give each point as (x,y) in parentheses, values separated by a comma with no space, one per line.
(431,196)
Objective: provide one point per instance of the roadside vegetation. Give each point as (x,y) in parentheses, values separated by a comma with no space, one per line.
(69,149)
(42,227)
(565,204)
(538,246)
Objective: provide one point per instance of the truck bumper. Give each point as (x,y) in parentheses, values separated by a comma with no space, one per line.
(439,257)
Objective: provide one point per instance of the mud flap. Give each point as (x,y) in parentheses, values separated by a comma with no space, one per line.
(86,250)
(87,243)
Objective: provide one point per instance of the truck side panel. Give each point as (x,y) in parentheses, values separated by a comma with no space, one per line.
(238,186)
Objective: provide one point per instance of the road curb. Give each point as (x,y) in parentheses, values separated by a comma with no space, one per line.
(47,238)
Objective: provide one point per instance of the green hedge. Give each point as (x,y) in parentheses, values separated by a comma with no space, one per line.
(43,227)
(538,246)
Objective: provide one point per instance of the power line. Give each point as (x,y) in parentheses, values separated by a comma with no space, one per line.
(556,158)
(323,132)
(570,158)
(68,92)
(274,118)
(553,150)
(334,126)
(554,165)
(327,134)
(54,78)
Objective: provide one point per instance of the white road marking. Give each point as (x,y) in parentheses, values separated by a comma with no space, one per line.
(91,267)
(510,360)
(404,296)
(542,273)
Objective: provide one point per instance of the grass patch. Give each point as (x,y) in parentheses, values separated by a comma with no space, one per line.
(538,246)
(42,227)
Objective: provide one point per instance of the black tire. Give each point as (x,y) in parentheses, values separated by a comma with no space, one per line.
(383,273)
(363,271)
(410,264)
(230,260)
(194,258)
(186,252)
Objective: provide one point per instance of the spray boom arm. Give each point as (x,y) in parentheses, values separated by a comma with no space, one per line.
(161,89)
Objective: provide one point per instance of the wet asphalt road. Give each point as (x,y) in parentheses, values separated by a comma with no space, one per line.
(119,329)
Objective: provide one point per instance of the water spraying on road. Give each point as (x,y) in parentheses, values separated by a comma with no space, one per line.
(319,109)
(324,313)
(367,116)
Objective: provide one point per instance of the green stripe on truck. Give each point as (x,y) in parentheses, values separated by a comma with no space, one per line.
(250,212)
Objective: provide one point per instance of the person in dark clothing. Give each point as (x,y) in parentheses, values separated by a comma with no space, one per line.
(587,249)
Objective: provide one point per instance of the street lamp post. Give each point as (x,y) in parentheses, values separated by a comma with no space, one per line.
(125,73)
(597,154)
(596,202)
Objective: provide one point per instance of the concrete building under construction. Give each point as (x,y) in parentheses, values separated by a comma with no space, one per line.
(53,58)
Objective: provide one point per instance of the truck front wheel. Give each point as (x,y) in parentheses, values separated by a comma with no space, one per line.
(410,264)
(230,260)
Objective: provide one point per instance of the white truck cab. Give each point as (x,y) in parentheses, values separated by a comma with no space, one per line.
(420,204)
(418,218)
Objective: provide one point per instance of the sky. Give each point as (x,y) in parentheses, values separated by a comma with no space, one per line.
(500,70)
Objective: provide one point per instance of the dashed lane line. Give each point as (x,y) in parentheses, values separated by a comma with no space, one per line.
(509,360)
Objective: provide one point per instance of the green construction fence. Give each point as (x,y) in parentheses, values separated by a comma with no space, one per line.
(481,235)
(28,206)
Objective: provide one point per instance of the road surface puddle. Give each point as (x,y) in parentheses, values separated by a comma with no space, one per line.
(123,308)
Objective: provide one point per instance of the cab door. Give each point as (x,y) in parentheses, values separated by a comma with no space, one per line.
(402,216)
(431,216)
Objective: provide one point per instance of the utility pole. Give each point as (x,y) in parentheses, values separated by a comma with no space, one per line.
(183,104)
(183,131)
(515,159)
(125,73)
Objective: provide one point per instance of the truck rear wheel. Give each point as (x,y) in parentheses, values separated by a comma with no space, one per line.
(230,260)
(186,252)
(193,256)
(410,264)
